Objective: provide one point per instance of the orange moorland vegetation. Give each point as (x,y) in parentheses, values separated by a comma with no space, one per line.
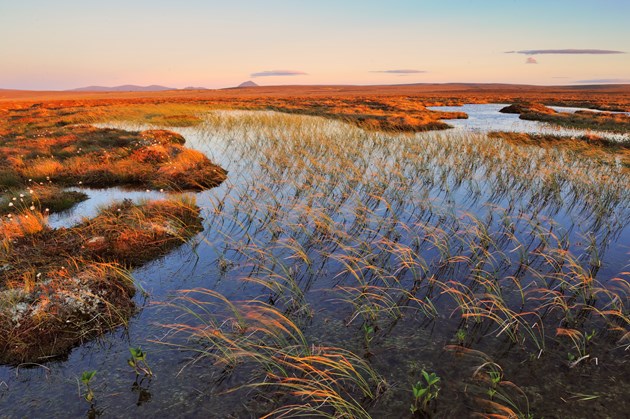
(47,142)
(59,287)
(394,107)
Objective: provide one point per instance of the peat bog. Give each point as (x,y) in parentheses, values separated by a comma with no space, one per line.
(331,270)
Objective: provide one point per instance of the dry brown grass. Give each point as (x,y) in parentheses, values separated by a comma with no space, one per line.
(591,146)
(583,119)
(59,287)
(106,157)
(391,108)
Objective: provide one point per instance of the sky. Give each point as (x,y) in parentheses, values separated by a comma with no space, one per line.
(66,44)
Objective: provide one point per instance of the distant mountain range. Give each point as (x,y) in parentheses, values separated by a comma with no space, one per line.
(124,88)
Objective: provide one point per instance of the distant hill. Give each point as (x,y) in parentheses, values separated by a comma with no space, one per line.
(123,88)
(195,88)
(247,83)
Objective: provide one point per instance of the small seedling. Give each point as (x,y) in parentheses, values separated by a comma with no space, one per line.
(138,362)
(368,335)
(589,336)
(424,393)
(86,378)
(368,332)
(460,336)
(495,379)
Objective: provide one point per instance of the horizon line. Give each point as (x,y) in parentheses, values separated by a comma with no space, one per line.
(168,88)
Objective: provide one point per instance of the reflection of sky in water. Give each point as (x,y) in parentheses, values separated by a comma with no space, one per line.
(97,198)
(486,117)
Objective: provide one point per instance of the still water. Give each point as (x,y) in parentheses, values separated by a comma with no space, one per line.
(486,117)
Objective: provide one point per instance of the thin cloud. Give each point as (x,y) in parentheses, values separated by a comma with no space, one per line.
(276,73)
(566,51)
(531,60)
(604,81)
(401,71)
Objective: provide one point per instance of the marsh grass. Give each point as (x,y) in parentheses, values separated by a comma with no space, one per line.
(298,377)
(608,152)
(522,247)
(407,231)
(602,121)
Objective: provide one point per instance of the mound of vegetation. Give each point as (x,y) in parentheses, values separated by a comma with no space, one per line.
(59,287)
(107,157)
(527,107)
(44,198)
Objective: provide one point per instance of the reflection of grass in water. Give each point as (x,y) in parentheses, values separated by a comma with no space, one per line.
(305,378)
(511,240)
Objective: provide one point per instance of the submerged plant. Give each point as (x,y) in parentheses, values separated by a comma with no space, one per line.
(425,392)
(138,362)
(86,379)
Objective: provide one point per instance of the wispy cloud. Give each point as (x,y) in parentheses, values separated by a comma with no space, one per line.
(565,51)
(275,73)
(400,71)
(531,60)
(604,81)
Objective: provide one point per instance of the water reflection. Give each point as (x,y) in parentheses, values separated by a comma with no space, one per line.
(486,117)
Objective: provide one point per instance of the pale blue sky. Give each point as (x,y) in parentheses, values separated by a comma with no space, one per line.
(65,44)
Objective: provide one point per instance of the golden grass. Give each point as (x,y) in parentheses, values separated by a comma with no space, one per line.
(60,287)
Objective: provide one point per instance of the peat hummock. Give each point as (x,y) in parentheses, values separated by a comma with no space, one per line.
(59,287)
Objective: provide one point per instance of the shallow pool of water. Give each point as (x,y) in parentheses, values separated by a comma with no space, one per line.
(486,117)
(98,198)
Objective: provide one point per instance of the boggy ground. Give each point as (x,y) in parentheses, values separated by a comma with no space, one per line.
(606,152)
(385,108)
(583,119)
(337,207)
(59,287)
(106,157)
(46,147)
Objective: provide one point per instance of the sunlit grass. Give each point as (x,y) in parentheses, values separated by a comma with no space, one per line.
(404,229)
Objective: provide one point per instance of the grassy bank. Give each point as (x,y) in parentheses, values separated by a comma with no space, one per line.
(590,146)
(59,287)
